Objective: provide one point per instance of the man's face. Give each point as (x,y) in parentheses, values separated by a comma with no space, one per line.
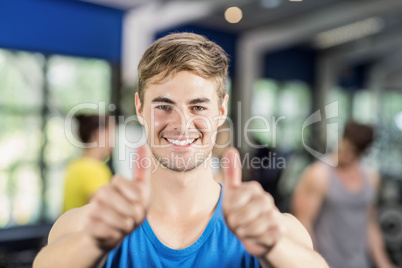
(181,116)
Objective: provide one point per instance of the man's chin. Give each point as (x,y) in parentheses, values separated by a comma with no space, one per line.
(180,163)
(178,168)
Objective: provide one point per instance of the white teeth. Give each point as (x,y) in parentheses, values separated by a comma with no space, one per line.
(182,142)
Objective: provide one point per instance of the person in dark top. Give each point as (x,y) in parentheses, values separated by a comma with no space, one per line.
(336,205)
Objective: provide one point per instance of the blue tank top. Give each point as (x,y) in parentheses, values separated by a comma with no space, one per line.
(217,247)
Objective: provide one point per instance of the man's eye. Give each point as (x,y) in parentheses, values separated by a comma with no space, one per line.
(198,108)
(163,107)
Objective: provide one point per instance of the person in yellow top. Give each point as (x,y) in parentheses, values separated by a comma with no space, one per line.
(84,176)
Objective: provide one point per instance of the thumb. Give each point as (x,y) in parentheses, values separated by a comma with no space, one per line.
(141,165)
(231,167)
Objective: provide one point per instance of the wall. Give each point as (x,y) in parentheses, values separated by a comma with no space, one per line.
(226,40)
(68,27)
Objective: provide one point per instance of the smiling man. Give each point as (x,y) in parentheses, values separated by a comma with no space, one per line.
(178,216)
(182,126)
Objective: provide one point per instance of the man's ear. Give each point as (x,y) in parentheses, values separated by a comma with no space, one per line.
(223,110)
(138,108)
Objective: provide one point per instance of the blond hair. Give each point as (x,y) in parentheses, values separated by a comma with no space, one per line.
(183,52)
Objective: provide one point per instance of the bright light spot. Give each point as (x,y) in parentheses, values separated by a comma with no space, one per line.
(61,74)
(295,0)
(233,14)
(349,32)
(398,121)
(12,148)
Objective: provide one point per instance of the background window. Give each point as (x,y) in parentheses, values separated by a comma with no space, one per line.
(37,94)
(285,105)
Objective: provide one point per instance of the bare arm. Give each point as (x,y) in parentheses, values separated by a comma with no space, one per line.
(309,195)
(293,250)
(377,247)
(375,238)
(83,237)
(278,240)
(69,245)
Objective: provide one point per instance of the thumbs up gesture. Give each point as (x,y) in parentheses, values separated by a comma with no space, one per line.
(119,208)
(249,211)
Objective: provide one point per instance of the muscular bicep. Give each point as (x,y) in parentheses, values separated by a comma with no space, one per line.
(309,195)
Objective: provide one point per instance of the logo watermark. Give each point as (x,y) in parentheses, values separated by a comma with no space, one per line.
(248,161)
(331,111)
(192,126)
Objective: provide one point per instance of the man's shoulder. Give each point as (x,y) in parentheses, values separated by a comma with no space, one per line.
(70,222)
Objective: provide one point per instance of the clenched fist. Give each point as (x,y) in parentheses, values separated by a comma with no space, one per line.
(119,208)
(249,211)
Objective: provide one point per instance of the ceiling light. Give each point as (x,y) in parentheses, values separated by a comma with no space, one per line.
(348,32)
(233,14)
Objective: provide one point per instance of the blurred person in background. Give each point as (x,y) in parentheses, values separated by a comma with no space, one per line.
(85,175)
(337,205)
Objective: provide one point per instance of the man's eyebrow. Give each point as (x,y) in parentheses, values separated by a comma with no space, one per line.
(163,99)
(199,100)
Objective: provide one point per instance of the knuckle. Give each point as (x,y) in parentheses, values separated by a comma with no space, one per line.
(279,230)
(269,214)
(95,210)
(261,229)
(254,186)
(241,232)
(88,222)
(233,221)
(269,199)
(138,214)
(111,234)
(128,225)
(275,233)
(282,230)
(103,192)
(115,180)
(260,199)
(266,207)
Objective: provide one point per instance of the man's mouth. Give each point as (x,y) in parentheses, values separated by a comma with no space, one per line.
(186,142)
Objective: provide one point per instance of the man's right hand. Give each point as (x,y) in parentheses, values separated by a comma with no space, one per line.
(119,208)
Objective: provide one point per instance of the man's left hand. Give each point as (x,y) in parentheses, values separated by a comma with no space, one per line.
(249,211)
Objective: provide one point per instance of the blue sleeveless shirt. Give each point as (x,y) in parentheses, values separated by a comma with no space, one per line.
(217,247)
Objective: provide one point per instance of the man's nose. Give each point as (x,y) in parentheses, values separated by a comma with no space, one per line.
(181,120)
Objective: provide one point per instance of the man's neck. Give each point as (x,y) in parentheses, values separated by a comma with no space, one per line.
(184,193)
